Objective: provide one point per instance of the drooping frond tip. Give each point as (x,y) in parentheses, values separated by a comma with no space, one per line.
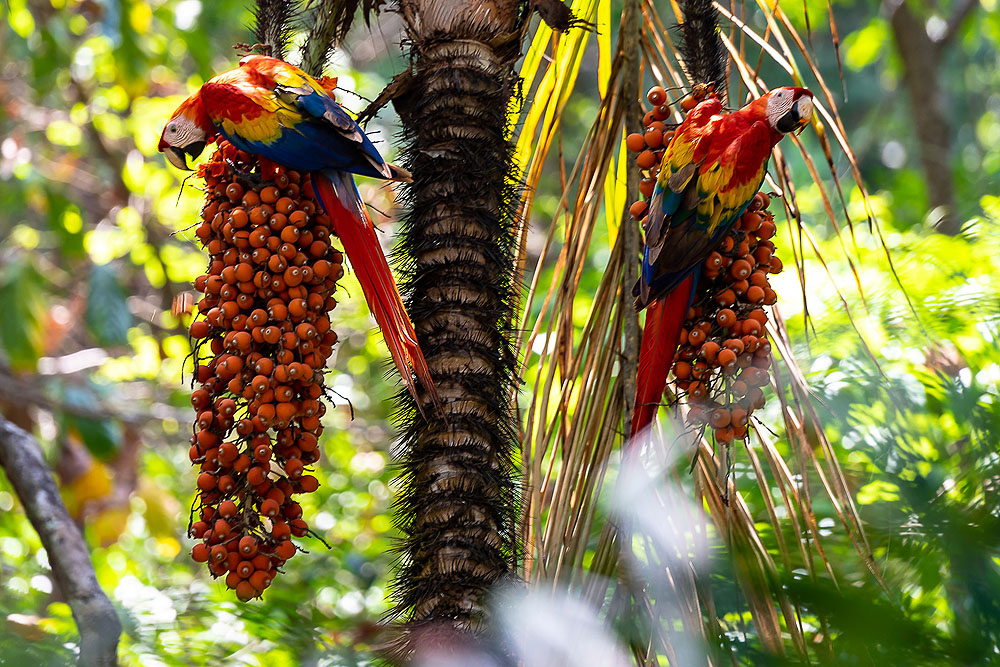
(271,25)
(329,21)
(701,47)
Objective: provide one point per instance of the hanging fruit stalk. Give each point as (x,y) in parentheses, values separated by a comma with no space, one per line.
(723,357)
(261,344)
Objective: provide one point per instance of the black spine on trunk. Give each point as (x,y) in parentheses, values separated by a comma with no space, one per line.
(704,55)
(327,23)
(271,25)
(459,497)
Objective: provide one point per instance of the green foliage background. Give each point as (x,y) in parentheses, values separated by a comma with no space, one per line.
(94,244)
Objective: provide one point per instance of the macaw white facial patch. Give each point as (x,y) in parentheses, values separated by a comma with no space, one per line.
(181,132)
(778,104)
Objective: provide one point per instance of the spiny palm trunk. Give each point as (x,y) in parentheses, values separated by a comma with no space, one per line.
(459,498)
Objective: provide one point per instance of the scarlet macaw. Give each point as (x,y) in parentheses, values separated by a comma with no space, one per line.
(277,111)
(710,172)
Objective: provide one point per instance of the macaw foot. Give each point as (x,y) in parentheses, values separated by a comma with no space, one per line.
(248,178)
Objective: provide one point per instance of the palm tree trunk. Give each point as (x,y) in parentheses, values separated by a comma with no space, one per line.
(459,497)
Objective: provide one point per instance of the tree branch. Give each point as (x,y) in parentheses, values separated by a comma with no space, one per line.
(955,24)
(921,59)
(95,616)
(631,83)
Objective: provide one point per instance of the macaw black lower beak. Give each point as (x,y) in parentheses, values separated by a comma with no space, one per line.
(790,121)
(178,156)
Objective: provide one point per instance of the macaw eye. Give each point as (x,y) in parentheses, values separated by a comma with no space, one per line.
(171,129)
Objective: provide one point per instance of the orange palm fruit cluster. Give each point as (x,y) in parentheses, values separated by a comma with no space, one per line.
(262,338)
(724,357)
(722,361)
(650,145)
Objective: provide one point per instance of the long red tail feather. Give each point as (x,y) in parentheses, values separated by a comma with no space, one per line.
(664,320)
(352,225)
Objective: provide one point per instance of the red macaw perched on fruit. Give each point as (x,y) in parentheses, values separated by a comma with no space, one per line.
(280,113)
(710,171)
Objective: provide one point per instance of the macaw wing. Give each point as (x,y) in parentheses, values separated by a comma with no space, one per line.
(298,89)
(301,92)
(244,111)
(681,159)
(323,113)
(726,185)
(694,204)
(273,109)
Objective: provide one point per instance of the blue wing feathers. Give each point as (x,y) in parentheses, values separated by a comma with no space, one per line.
(324,110)
(326,137)
(671,202)
(310,146)
(665,282)
(315,105)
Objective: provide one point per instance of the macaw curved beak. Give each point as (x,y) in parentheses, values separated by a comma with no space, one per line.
(178,156)
(798,116)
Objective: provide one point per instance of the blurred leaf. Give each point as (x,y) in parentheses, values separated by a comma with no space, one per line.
(93,484)
(162,509)
(21,293)
(109,525)
(101,436)
(66,223)
(107,316)
(25,644)
(863,47)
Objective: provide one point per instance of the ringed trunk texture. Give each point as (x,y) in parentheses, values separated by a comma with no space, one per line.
(459,498)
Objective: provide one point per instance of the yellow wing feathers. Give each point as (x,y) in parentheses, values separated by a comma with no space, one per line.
(290,77)
(258,117)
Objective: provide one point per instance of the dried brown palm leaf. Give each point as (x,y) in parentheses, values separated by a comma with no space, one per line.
(579,367)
